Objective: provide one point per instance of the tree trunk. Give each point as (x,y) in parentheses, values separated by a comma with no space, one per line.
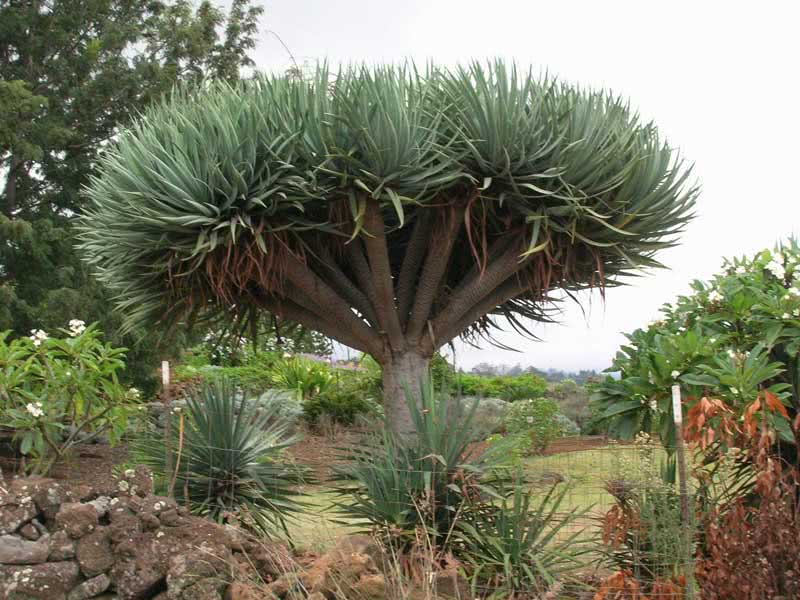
(402,374)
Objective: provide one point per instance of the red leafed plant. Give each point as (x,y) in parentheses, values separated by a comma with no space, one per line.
(752,547)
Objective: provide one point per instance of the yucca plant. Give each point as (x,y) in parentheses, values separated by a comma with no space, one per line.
(402,486)
(390,208)
(229,459)
(524,542)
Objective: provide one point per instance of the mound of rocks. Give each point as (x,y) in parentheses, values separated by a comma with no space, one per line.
(62,542)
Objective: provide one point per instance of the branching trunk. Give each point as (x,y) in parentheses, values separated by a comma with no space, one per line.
(389,302)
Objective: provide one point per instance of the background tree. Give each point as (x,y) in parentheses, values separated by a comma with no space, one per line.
(71,73)
(390,209)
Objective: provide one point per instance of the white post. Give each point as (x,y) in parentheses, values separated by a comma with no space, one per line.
(686,522)
(167,422)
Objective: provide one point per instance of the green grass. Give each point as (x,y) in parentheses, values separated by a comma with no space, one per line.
(585,472)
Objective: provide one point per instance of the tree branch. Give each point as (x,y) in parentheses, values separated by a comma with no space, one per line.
(314,288)
(415,253)
(378,254)
(432,272)
(475,289)
(448,325)
(287,309)
(342,284)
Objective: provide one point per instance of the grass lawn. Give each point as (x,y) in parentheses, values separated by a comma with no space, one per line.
(585,472)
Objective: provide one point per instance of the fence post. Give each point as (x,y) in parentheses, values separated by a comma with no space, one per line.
(686,517)
(167,422)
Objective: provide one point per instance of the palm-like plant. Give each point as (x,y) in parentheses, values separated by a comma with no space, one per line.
(230,464)
(402,486)
(523,543)
(391,209)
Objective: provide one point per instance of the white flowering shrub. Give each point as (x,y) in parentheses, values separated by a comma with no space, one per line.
(732,346)
(60,390)
(535,419)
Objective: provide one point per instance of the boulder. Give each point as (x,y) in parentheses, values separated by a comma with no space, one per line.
(16,509)
(76,519)
(94,553)
(91,588)
(46,581)
(61,547)
(19,551)
(30,532)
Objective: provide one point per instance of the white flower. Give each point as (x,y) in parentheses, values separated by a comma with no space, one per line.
(124,486)
(35,409)
(734,390)
(732,353)
(714,296)
(785,316)
(129,473)
(287,355)
(76,327)
(653,405)
(740,270)
(776,268)
(675,374)
(38,336)
(712,340)
(529,419)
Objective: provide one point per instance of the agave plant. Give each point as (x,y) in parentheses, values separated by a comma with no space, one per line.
(402,485)
(523,543)
(229,459)
(391,208)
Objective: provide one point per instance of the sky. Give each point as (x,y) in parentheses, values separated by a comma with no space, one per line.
(720,79)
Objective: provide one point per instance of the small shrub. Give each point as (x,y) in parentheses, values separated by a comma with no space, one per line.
(752,545)
(567,427)
(340,406)
(520,544)
(536,418)
(307,378)
(230,463)
(400,487)
(56,393)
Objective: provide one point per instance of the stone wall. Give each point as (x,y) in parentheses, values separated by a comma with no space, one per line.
(62,542)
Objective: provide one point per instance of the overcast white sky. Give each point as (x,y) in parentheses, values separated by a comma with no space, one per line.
(719,78)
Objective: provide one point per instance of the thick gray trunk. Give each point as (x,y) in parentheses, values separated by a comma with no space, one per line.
(402,374)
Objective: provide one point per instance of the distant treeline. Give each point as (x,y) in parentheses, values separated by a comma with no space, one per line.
(551,375)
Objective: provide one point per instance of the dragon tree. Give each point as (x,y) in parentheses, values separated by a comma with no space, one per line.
(392,209)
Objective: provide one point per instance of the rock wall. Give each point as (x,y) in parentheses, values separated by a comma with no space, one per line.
(62,542)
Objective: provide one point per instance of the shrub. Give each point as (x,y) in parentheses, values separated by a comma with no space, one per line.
(510,388)
(536,419)
(307,378)
(230,463)
(573,402)
(733,339)
(567,426)
(520,544)
(58,392)
(423,483)
(341,406)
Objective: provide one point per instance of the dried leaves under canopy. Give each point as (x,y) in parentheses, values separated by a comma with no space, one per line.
(259,195)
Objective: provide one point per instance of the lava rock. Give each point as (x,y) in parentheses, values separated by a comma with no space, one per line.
(76,519)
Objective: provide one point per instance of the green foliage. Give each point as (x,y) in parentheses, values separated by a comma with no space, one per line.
(258,168)
(307,378)
(340,405)
(58,392)
(505,387)
(523,543)
(536,419)
(72,73)
(567,427)
(573,402)
(231,462)
(403,486)
(732,338)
